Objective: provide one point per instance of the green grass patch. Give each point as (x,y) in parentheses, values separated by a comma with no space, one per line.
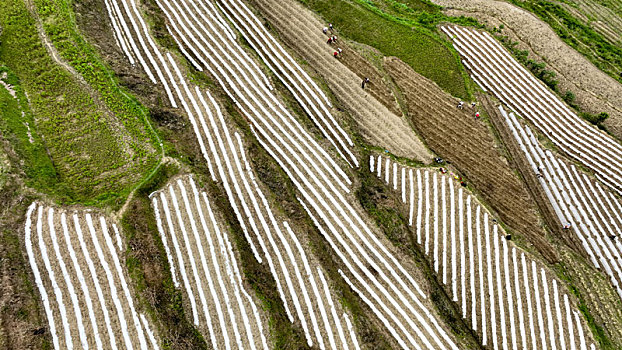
(405,30)
(99,147)
(18,127)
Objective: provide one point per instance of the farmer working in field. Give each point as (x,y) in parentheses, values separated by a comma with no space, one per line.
(365,81)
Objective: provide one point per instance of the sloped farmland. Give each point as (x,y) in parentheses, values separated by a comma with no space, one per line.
(587,208)
(495,70)
(201,258)
(302,285)
(393,294)
(77,261)
(509,299)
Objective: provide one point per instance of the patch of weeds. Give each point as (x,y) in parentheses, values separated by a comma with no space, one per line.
(98,146)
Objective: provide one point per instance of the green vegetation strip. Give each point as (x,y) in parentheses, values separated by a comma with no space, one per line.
(18,127)
(99,146)
(406,30)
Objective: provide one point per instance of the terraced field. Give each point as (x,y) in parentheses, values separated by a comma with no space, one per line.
(77,261)
(260,230)
(494,69)
(506,296)
(603,19)
(581,204)
(321,181)
(378,125)
(202,253)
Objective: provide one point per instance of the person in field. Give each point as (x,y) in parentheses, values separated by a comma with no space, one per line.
(336,54)
(330,40)
(325,30)
(460,104)
(365,81)
(476,115)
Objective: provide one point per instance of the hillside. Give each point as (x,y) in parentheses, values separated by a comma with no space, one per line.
(310,174)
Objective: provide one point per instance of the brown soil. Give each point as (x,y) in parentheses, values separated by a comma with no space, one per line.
(595,91)
(470,145)
(377,86)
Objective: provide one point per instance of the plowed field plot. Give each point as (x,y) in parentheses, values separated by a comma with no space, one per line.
(495,70)
(201,258)
(302,30)
(301,284)
(457,136)
(508,298)
(76,259)
(591,211)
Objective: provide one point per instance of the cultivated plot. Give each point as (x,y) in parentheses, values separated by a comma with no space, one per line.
(509,299)
(591,211)
(385,284)
(301,283)
(495,70)
(76,259)
(203,264)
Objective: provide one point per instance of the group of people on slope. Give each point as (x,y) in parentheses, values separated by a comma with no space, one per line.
(332,40)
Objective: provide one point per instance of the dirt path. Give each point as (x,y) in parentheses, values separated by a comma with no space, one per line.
(595,91)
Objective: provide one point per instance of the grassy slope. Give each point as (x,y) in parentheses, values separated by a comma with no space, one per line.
(88,152)
(578,35)
(16,119)
(405,30)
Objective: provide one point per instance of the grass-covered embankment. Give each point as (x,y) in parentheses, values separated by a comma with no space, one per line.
(580,36)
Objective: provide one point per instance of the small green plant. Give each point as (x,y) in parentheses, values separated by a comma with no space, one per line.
(596,119)
(569,97)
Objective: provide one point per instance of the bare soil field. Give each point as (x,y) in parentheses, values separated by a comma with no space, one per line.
(595,91)
(77,262)
(469,145)
(22,321)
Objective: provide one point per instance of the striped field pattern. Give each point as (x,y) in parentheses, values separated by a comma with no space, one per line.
(509,299)
(76,258)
